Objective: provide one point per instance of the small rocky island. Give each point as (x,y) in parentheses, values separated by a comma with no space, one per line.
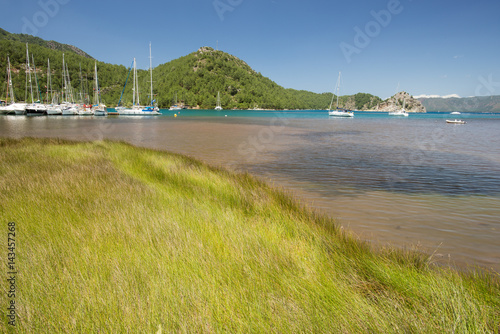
(396,102)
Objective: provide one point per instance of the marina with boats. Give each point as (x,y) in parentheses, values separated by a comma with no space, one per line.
(67,102)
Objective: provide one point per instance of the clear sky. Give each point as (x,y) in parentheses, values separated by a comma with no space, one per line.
(437,47)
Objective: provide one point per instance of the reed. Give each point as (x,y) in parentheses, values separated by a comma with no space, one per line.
(114,238)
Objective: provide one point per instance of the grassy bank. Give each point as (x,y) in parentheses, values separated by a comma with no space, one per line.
(113,239)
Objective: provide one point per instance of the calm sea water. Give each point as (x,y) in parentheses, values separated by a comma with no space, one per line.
(414,182)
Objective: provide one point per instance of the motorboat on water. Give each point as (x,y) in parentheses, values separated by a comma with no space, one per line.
(455,113)
(340,113)
(455,121)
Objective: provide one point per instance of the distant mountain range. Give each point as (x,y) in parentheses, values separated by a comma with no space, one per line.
(465,104)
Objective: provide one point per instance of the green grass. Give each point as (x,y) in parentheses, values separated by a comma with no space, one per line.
(113,239)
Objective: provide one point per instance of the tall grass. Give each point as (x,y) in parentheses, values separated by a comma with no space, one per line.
(116,239)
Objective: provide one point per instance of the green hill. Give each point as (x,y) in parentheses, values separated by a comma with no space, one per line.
(195,79)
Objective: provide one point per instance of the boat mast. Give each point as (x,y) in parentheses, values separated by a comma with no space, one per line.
(151,73)
(70,89)
(63,83)
(81,86)
(29,73)
(126,80)
(134,84)
(338,91)
(97,92)
(137,83)
(36,79)
(48,80)
(10,89)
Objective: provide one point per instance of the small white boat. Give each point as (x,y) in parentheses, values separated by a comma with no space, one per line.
(398,113)
(340,113)
(85,110)
(456,121)
(175,106)
(36,108)
(455,113)
(69,109)
(54,109)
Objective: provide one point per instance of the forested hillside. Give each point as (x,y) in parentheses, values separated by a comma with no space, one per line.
(195,79)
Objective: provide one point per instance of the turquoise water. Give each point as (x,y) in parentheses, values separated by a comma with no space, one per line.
(319,114)
(409,181)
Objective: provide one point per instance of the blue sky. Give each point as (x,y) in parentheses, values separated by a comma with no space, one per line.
(424,47)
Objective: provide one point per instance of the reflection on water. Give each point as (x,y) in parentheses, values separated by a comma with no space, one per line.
(414,181)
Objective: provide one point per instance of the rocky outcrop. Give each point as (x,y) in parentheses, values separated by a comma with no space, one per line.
(396,102)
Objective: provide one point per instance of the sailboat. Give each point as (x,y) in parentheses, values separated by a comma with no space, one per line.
(69,107)
(218,107)
(137,109)
(175,106)
(98,108)
(13,107)
(35,108)
(52,108)
(399,112)
(339,112)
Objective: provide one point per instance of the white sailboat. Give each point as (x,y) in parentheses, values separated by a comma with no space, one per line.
(53,108)
(98,108)
(69,107)
(137,109)
(175,106)
(218,107)
(35,108)
(84,109)
(13,107)
(339,112)
(399,112)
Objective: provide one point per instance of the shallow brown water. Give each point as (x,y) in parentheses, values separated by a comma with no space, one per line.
(412,183)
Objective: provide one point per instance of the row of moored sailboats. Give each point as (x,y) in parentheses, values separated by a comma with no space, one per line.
(56,103)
